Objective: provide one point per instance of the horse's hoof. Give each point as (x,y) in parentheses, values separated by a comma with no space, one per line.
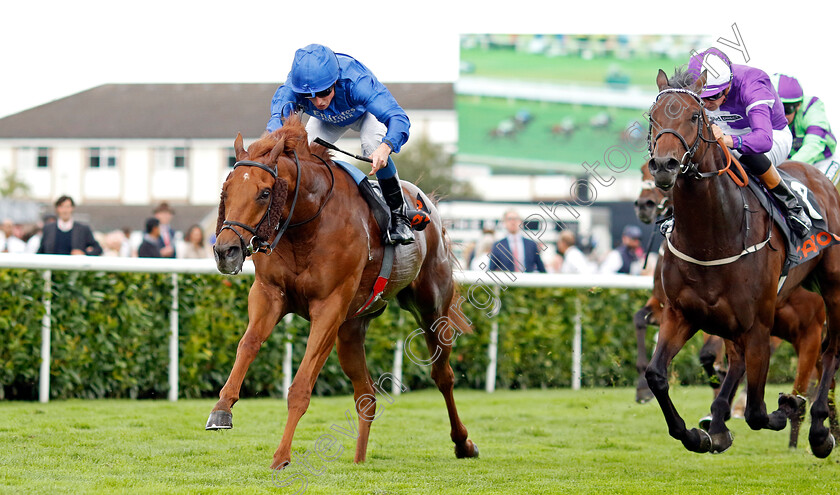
(704,443)
(705,422)
(469,449)
(793,405)
(644,396)
(777,420)
(219,420)
(721,442)
(824,448)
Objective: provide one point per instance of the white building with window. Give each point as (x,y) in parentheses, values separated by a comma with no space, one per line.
(140,144)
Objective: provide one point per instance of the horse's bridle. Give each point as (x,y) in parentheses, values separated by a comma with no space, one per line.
(686,167)
(257,244)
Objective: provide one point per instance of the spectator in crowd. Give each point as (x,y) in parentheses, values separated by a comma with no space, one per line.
(627,257)
(481,259)
(150,247)
(164,214)
(572,259)
(33,238)
(11,241)
(194,244)
(515,253)
(127,250)
(67,236)
(113,243)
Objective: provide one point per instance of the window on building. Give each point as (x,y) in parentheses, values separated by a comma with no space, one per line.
(180,158)
(93,157)
(231,157)
(168,158)
(102,157)
(43,160)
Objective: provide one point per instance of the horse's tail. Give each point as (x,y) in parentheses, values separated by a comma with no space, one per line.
(455,311)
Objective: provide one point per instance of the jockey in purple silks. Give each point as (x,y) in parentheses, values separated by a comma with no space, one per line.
(340,94)
(747,114)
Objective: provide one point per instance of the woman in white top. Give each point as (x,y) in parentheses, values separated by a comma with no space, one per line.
(195,245)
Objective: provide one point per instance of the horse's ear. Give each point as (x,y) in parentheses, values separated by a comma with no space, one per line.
(698,85)
(277,150)
(239,147)
(662,80)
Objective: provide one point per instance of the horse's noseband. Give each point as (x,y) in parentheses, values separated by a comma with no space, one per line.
(256,243)
(687,164)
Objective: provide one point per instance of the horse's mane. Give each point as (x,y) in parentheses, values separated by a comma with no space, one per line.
(682,77)
(293,134)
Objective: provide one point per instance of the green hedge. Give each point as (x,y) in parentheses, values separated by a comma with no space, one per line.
(110,339)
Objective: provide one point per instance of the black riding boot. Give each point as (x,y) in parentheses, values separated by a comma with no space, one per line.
(797,218)
(400,230)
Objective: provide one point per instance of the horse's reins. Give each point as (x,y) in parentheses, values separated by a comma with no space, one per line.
(264,246)
(690,168)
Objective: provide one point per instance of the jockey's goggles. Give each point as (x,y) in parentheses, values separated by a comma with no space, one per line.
(319,94)
(714,97)
(790,107)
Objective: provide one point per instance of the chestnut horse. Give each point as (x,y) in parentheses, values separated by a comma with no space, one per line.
(323,268)
(736,296)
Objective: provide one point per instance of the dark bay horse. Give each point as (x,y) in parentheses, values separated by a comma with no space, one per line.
(734,300)
(799,320)
(323,268)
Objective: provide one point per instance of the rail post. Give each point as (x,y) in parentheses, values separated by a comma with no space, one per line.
(46,332)
(576,344)
(173,341)
(493,350)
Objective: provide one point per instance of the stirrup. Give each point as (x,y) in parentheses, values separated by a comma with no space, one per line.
(800,224)
(399,231)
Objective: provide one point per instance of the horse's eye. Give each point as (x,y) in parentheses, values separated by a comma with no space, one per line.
(265,194)
(695,116)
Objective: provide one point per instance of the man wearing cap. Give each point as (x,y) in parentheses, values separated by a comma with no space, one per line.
(340,93)
(626,257)
(747,114)
(813,141)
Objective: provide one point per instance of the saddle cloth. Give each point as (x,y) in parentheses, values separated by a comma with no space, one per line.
(418,216)
(819,238)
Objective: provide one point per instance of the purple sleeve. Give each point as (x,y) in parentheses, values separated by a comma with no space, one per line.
(760,139)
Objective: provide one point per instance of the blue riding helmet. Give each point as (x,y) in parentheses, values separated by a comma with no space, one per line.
(315,69)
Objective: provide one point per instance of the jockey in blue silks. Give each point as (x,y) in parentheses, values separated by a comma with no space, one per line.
(340,93)
(746,112)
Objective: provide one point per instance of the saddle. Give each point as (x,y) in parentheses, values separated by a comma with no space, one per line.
(819,238)
(372,193)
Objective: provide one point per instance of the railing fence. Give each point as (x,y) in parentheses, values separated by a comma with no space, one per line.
(48,263)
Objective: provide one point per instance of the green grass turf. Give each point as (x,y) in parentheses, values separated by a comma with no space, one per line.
(570,69)
(594,441)
(478,116)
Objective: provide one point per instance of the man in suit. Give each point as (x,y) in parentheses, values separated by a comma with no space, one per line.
(166,241)
(150,247)
(515,253)
(67,236)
